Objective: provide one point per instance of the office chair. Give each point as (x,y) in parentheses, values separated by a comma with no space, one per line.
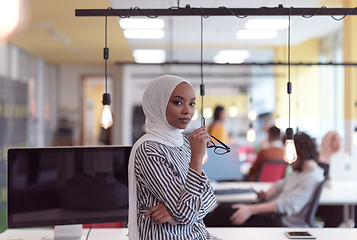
(310,216)
(271,171)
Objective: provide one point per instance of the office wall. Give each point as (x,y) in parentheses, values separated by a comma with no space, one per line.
(225,85)
(28,107)
(69,96)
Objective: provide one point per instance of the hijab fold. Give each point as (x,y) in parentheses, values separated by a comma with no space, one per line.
(154,102)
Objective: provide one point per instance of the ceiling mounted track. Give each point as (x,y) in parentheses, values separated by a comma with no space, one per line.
(220,11)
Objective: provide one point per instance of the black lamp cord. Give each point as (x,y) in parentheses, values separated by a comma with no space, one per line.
(106,53)
(202,86)
(289,82)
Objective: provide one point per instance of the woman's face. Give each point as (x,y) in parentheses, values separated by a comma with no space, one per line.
(181,106)
(222,115)
(335,143)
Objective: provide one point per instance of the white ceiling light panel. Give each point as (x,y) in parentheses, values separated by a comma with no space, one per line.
(142,23)
(231,56)
(149,55)
(144,34)
(271,24)
(256,34)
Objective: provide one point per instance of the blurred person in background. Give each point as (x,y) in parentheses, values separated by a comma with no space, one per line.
(331,215)
(273,150)
(330,145)
(290,196)
(217,128)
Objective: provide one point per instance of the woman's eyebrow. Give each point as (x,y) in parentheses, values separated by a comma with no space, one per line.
(183,98)
(178,97)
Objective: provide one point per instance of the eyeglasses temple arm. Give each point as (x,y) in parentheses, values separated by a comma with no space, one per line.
(228,148)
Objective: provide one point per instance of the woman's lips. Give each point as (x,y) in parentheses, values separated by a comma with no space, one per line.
(185,120)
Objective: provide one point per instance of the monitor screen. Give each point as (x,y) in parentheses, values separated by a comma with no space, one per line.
(67,185)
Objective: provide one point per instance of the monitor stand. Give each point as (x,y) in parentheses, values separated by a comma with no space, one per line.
(67,232)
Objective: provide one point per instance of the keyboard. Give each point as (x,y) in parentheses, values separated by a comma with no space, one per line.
(234,191)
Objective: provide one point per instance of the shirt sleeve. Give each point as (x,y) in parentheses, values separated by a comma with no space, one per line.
(279,185)
(294,201)
(183,200)
(208,198)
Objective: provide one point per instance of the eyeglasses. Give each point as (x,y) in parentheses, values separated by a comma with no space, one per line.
(220,150)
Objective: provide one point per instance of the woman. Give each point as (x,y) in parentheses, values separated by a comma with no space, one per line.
(331,215)
(330,144)
(290,196)
(169,193)
(217,128)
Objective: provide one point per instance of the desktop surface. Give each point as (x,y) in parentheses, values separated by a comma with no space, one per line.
(221,233)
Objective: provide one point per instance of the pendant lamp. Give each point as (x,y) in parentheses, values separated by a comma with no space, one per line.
(290,154)
(106,118)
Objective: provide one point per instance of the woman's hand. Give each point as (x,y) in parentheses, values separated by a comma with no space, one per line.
(241,214)
(160,215)
(199,140)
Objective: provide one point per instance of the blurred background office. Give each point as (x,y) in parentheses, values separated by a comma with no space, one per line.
(52,74)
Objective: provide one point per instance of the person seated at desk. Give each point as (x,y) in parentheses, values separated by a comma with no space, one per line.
(330,144)
(272,151)
(289,196)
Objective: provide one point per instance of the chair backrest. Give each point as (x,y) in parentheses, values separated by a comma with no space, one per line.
(271,171)
(310,216)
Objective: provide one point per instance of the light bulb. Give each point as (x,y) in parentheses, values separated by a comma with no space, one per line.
(205,158)
(233,111)
(106,119)
(207,113)
(251,134)
(252,115)
(290,154)
(354,138)
(9,17)
(278,123)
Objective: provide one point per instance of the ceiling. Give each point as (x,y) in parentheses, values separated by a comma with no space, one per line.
(53,32)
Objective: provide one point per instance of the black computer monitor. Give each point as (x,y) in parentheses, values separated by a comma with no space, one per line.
(67,185)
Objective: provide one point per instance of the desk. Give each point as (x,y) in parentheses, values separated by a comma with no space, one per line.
(329,196)
(222,233)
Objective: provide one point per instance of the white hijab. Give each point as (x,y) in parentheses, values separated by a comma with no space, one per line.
(155,100)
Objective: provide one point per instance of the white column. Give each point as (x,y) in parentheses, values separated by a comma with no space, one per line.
(14,72)
(40,88)
(4,60)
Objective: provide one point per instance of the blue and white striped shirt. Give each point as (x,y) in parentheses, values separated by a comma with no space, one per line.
(163,176)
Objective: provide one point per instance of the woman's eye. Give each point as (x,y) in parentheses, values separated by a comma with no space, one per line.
(177,103)
(192,104)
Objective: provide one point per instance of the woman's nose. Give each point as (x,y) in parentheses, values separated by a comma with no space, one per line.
(186,108)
